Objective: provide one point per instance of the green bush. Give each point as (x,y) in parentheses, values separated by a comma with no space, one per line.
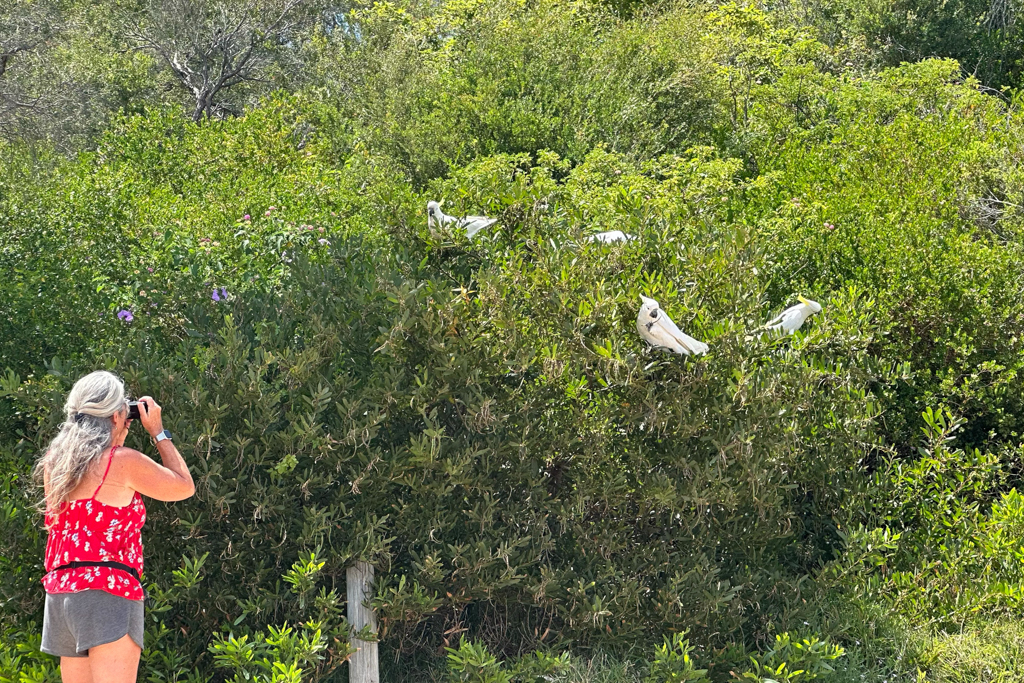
(672,663)
(950,546)
(155,218)
(481,443)
(472,663)
(479,418)
(795,659)
(880,189)
(436,86)
(983,36)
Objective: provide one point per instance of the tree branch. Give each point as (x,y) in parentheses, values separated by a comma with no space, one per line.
(209,51)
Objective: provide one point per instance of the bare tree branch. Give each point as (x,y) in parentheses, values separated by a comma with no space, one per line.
(211,47)
(1002,14)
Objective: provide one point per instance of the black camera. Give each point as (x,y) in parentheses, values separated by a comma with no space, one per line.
(133,410)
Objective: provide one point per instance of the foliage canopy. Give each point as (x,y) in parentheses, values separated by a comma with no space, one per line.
(478,417)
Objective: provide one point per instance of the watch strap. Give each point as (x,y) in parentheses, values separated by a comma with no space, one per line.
(161,436)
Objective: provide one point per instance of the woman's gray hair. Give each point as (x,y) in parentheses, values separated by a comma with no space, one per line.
(86,433)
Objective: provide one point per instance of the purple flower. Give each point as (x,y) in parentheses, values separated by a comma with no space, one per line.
(323,241)
(125,315)
(246,217)
(149,269)
(220,294)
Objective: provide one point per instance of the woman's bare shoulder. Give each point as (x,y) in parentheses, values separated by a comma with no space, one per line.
(129,457)
(150,478)
(127,462)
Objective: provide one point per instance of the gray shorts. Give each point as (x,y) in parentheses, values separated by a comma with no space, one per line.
(75,622)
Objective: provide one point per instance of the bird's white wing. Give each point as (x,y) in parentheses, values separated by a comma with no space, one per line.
(666,327)
(659,338)
(777,320)
(791,319)
(474,224)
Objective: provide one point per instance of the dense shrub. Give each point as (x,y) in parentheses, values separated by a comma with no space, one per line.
(949,546)
(154,218)
(983,35)
(479,418)
(481,443)
(436,86)
(883,188)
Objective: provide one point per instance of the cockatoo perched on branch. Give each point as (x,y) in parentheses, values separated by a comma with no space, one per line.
(610,237)
(436,218)
(659,331)
(792,318)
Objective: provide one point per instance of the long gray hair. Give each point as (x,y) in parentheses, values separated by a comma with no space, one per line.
(86,433)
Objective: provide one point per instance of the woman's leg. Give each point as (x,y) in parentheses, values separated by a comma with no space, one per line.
(116,662)
(75,670)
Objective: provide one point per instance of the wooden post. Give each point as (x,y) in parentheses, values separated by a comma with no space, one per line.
(362,666)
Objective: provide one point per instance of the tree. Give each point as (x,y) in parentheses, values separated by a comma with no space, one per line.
(211,47)
(25,27)
(1001,15)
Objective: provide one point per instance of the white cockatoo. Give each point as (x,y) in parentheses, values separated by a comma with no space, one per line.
(792,318)
(436,218)
(610,237)
(659,331)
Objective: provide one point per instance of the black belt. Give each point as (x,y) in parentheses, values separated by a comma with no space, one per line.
(113,565)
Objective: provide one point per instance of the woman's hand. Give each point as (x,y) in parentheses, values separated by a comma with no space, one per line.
(149,415)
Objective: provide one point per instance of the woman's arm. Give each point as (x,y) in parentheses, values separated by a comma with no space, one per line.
(170,481)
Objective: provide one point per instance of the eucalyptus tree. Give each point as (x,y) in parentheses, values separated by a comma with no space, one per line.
(210,48)
(25,29)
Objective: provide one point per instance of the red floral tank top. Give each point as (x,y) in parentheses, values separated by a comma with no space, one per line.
(87,530)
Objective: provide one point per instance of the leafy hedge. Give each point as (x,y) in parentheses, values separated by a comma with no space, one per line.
(479,444)
(480,418)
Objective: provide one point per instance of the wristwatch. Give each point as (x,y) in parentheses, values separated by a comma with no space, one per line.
(161,436)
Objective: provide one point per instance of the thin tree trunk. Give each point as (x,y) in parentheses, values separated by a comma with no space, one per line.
(1001,15)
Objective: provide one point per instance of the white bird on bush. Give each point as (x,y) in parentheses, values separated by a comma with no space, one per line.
(659,331)
(610,237)
(790,320)
(436,218)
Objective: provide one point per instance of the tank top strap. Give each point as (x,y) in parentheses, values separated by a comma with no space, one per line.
(105,472)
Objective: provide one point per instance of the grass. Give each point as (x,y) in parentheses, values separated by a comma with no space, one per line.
(990,651)
(602,669)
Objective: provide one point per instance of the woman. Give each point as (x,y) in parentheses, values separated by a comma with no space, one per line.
(93,619)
